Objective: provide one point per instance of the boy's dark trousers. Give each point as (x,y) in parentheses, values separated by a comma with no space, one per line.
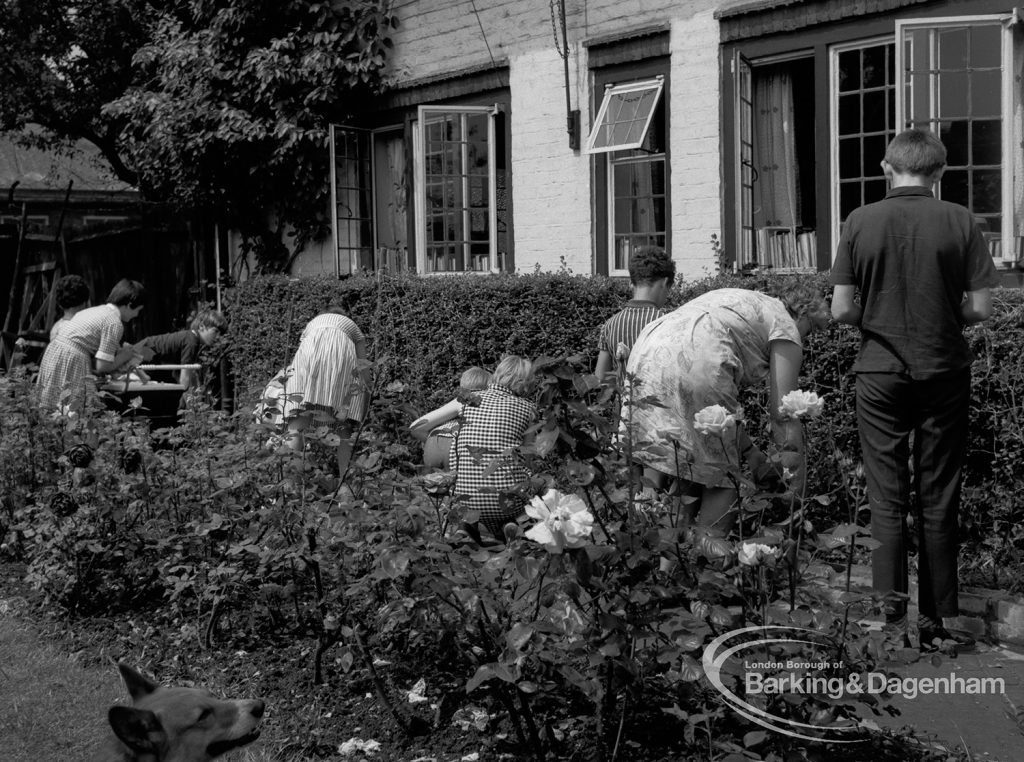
(889,407)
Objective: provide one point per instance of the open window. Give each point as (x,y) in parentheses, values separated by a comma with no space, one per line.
(625,116)
(773,172)
(961,79)
(457,189)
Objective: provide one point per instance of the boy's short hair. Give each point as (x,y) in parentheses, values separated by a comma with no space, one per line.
(474,379)
(514,373)
(71,291)
(650,263)
(209,319)
(916,152)
(127,293)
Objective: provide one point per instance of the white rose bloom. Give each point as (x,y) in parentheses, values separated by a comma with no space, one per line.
(714,419)
(754,553)
(801,404)
(563,521)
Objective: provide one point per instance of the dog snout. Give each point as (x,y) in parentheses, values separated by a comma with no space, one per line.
(256,708)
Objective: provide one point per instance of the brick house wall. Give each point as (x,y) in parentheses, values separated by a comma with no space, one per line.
(553,197)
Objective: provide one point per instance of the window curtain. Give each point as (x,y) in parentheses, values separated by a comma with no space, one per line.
(776,187)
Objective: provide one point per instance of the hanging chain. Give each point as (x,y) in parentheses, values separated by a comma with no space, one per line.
(554,30)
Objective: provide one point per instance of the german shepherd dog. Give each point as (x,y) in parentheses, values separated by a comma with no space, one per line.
(177,724)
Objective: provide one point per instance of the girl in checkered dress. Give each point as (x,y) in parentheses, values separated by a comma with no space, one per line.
(96,332)
(491,431)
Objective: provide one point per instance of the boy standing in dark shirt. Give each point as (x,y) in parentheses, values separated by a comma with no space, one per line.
(923,272)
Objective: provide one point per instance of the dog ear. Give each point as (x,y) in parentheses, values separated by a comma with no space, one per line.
(139,729)
(137,685)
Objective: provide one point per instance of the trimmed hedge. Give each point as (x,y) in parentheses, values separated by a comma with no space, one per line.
(425,331)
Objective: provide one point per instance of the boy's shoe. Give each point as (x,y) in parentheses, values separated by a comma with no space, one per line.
(929,635)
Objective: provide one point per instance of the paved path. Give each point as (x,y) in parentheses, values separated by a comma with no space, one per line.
(984,724)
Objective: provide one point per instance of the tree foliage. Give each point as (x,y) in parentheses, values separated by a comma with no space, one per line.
(220,106)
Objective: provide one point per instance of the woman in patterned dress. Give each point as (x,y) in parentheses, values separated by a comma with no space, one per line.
(703,354)
(489,432)
(323,384)
(96,332)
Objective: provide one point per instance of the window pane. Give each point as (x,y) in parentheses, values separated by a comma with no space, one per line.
(953,48)
(954,137)
(849,158)
(985,46)
(986,142)
(874,190)
(875,66)
(849,114)
(986,98)
(986,191)
(849,70)
(874,111)
(954,186)
(849,198)
(953,94)
(874,152)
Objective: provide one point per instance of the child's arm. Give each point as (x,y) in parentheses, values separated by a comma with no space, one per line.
(844,308)
(977,306)
(423,425)
(604,364)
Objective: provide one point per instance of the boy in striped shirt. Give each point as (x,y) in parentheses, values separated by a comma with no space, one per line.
(652,273)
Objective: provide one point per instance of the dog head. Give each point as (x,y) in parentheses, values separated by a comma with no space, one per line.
(180,724)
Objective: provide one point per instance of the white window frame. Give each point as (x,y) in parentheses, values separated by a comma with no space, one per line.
(419,185)
(1007,21)
(655,83)
(833,122)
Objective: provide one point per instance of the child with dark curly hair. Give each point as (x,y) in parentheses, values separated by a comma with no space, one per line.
(72,296)
(652,273)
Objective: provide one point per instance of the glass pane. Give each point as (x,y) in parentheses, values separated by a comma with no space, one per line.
(874,66)
(849,158)
(874,190)
(849,114)
(849,70)
(849,198)
(919,97)
(986,93)
(953,94)
(953,48)
(874,152)
(918,50)
(954,137)
(986,142)
(874,111)
(986,191)
(625,115)
(954,186)
(985,46)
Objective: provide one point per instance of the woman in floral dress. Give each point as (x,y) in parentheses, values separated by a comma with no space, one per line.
(703,354)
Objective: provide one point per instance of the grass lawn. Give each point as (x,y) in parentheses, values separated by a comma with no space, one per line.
(52,709)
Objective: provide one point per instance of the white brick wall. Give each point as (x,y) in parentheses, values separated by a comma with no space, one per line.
(551,183)
(694,141)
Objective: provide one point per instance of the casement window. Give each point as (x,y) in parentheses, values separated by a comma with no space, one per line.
(775,214)
(455,183)
(629,142)
(960,78)
(456,189)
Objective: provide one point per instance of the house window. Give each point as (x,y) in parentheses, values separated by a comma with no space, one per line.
(351,199)
(628,139)
(957,81)
(863,84)
(456,182)
(773,174)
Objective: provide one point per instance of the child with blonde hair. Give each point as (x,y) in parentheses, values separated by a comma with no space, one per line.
(488,433)
(438,428)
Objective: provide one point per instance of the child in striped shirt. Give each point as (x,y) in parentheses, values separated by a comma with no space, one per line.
(652,273)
